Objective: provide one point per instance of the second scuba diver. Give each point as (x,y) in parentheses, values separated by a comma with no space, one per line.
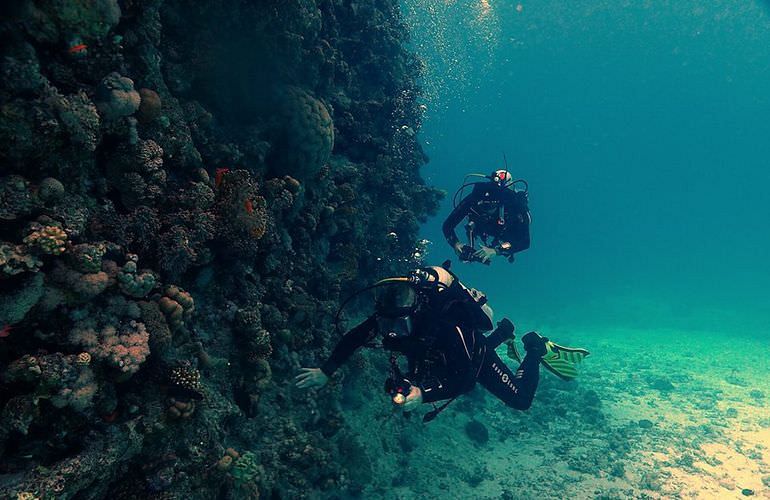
(437,324)
(498,218)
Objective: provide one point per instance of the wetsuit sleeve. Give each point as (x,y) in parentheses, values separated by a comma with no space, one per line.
(345,348)
(457,215)
(460,375)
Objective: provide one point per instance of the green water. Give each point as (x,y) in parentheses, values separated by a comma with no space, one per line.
(642,128)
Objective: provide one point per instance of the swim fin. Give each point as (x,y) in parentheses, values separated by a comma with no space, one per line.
(560,360)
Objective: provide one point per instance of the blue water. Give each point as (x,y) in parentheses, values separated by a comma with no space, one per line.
(643,130)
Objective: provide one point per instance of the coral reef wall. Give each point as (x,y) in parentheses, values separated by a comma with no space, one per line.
(187,190)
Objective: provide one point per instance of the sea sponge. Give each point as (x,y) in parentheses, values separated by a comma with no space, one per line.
(305,134)
(116,97)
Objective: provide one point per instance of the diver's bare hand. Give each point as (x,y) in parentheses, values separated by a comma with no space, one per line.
(413,399)
(485,254)
(310,377)
(458,247)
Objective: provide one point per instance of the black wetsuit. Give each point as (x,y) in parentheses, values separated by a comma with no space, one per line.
(446,360)
(498,216)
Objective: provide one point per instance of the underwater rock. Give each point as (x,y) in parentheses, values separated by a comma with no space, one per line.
(477,432)
(645,424)
(662,385)
(20,299)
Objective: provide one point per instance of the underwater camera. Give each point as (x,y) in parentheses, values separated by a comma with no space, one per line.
(398,388)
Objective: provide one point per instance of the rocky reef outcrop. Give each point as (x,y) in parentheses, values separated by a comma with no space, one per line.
(187,190)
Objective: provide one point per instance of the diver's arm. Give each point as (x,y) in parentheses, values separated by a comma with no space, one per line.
(457,215)
(352,340)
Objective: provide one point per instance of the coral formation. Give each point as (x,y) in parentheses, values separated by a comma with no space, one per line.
(171,248)
(116,97)
(306,133)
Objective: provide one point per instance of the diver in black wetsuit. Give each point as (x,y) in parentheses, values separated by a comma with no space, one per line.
(438,324)
(498,217)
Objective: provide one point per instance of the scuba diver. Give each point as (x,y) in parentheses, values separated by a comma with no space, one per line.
(498,217)
(437,324)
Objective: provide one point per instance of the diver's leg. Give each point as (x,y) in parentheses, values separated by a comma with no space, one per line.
(514,389)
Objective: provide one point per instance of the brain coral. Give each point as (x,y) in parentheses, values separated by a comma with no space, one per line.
(306,136)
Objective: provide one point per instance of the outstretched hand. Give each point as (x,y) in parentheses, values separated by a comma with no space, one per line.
(485,254)
(413,399)
(310,377)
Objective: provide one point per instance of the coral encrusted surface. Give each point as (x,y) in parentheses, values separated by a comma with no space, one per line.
(188,188)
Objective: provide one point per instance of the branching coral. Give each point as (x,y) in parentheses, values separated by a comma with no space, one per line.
(256,339)
(79,287)
(48,239)
(62,379)
(133,282)
(79,117)
(87,257)
(242,213)
(246,472)
(137,173)
(114,336)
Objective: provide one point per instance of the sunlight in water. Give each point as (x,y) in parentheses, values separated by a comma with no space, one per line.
(457,41)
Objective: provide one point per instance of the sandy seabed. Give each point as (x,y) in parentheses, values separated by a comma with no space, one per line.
(678,415)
